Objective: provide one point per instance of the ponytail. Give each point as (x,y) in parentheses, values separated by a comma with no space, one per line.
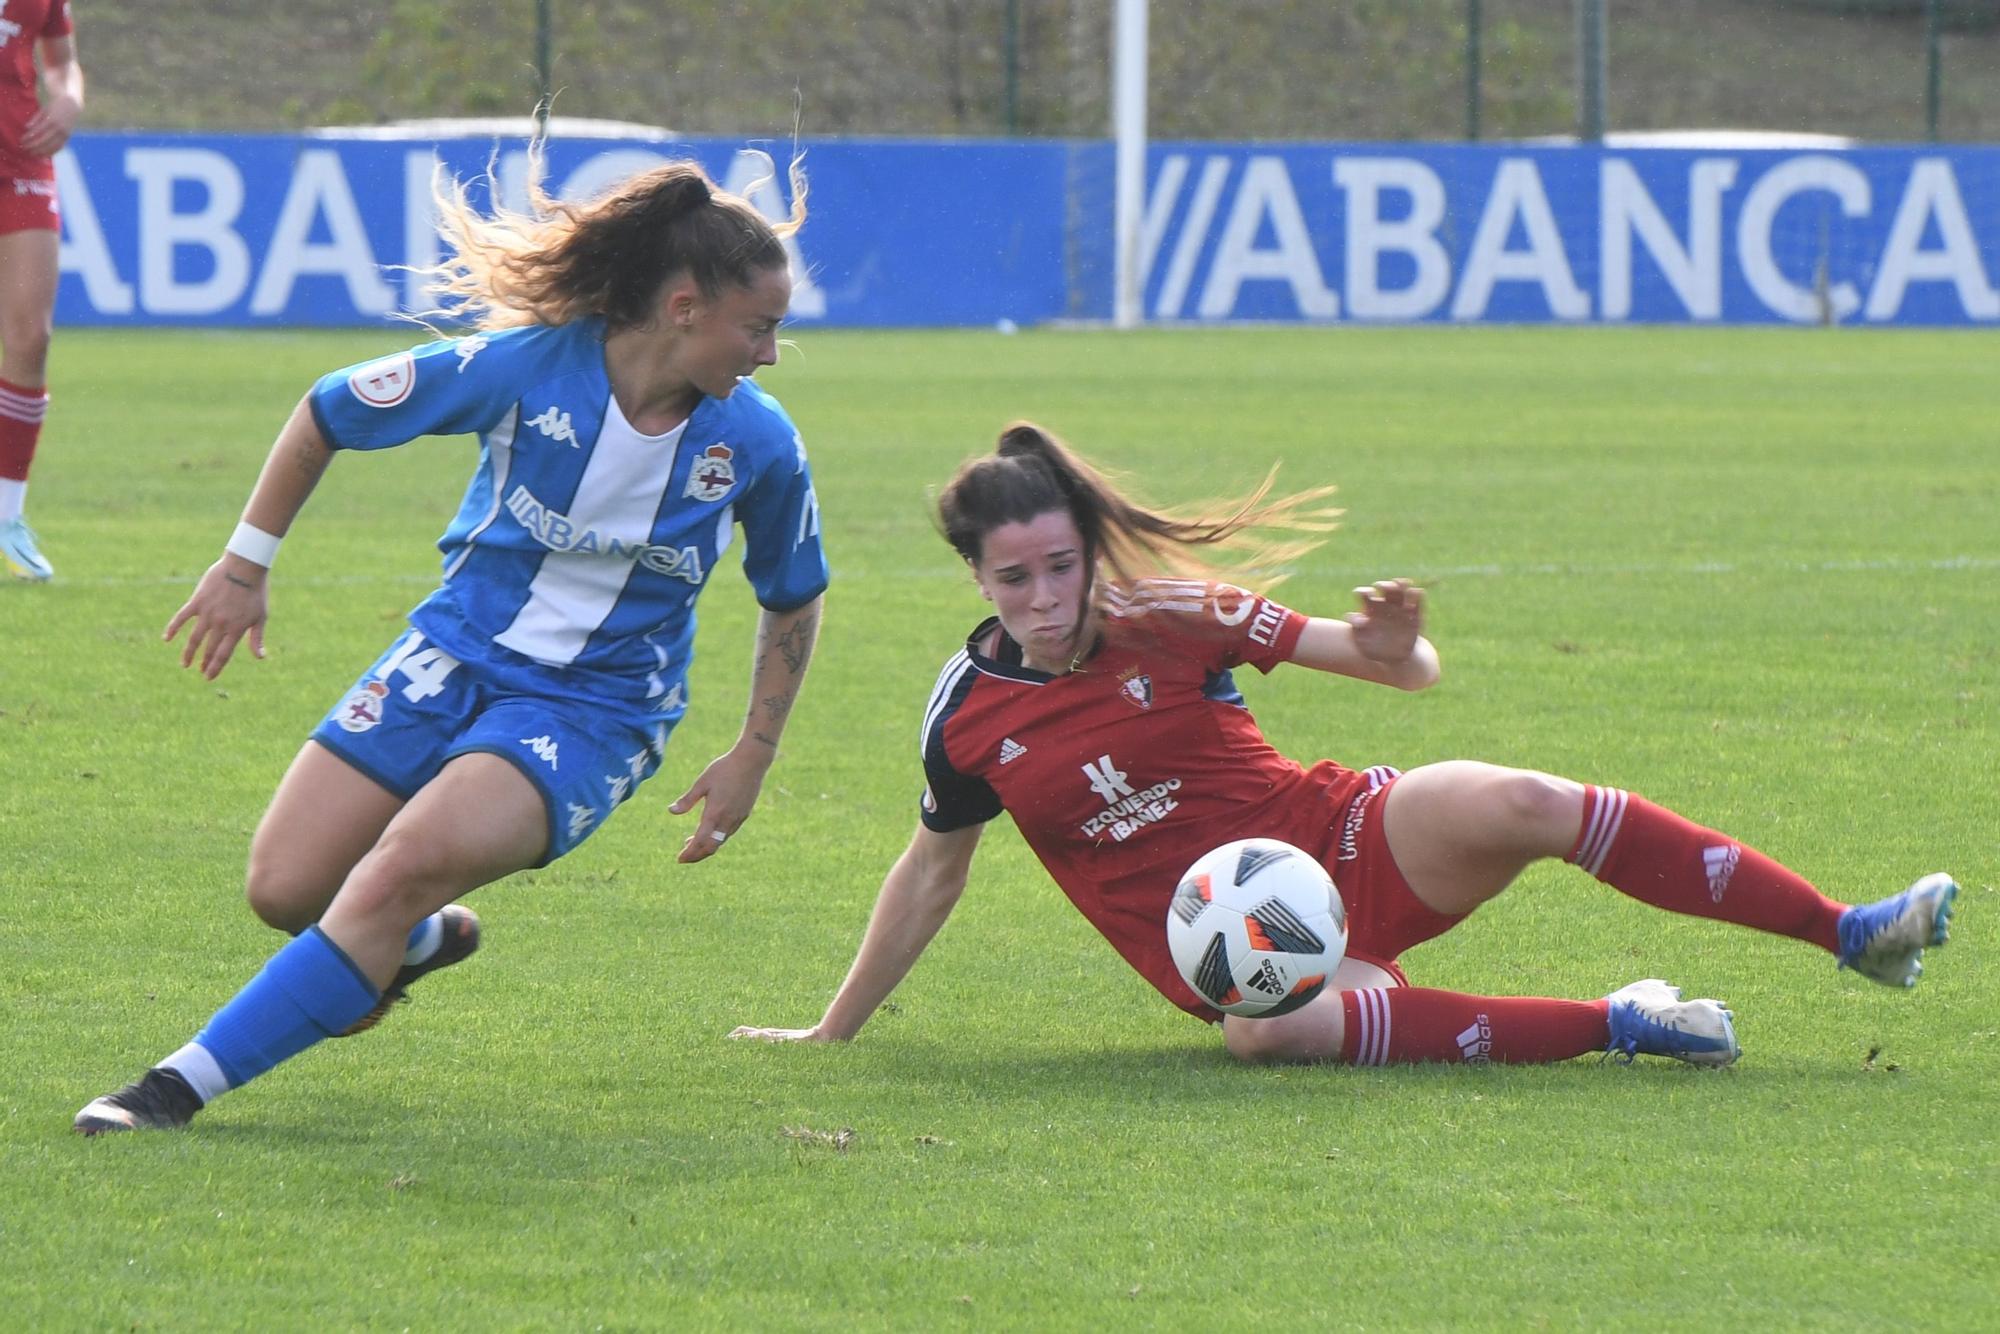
(1031,472)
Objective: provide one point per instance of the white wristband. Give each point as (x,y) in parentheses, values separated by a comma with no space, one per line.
(254,545)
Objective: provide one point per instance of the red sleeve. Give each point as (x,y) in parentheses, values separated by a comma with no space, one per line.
(1263,633)
(1220,624)
(58,24)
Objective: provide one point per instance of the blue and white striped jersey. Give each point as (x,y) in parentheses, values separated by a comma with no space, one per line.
(573,564)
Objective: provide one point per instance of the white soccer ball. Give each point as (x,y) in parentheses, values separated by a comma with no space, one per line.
(1256,927)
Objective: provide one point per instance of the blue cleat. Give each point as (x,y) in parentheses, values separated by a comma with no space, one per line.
(1885,941)
(1650,1019)
(24,558)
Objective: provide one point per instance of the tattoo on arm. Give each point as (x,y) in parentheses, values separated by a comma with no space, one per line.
(796,643)
(240,583)
(778,707)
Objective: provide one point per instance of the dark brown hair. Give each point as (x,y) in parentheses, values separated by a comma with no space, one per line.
(1031,472)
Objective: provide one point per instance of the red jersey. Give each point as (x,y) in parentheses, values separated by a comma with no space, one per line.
(23,23)
(1122,773)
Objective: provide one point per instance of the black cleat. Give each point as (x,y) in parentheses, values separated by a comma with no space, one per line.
(461,938)
(160,1100)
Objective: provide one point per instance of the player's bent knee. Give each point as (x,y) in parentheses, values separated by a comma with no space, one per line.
(1303,1037)
(1539,802)
(278,898)
(27,344)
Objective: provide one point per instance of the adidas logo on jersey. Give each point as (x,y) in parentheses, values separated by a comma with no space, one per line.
(555,425)
(1720,863)
(544,748)
(1011,750)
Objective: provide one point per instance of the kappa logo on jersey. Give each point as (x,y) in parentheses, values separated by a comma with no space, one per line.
(1720,864)
(1126,811)
(362,709)
(555,425)
(558,532)
(1138,689)
(544,748)
(1106,779)
(384,383)
(1011,750)
(1270,620)
(468,348)
(1475,1044)
(580,819)
(713,473)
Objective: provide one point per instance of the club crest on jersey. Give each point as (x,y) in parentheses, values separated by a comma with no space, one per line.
(386,382)
(362,709)
(1137,687)
(713,473)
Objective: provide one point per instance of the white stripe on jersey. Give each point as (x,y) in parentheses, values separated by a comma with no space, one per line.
(947,681)
(500,446)
(619,496)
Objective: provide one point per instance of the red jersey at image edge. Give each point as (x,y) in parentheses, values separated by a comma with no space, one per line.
(1123,772)
(23,23)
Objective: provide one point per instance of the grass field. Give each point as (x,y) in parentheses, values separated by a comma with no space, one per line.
(1754,575)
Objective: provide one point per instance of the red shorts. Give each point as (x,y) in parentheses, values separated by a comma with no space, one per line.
(1384,917)
(27,205)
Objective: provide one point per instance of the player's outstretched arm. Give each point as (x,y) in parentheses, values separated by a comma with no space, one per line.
(727,789)
(917,895)
(1382,641)
(232,598)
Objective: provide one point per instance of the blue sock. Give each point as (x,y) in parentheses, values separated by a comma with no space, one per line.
(308,991)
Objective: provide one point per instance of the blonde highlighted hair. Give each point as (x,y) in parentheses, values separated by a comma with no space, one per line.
(604,257)
(1031,472)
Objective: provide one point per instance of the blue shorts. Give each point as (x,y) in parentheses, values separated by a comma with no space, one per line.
(418,708)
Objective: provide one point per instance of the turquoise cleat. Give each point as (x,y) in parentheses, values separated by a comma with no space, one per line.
(24,558)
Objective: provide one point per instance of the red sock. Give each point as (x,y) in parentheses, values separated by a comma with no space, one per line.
(21,413)
(1657,857)
(1399,1025)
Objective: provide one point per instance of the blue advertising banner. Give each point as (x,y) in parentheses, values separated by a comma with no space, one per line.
(310,230)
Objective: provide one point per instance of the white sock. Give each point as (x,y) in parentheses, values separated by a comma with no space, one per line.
(13,495)
(424,941)
(198,1068)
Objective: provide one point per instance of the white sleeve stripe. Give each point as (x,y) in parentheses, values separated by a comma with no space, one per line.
(948,679)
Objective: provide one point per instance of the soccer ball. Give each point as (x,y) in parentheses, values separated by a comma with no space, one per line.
(1256,927)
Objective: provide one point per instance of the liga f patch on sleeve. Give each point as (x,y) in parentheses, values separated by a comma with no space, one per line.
(386,382)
